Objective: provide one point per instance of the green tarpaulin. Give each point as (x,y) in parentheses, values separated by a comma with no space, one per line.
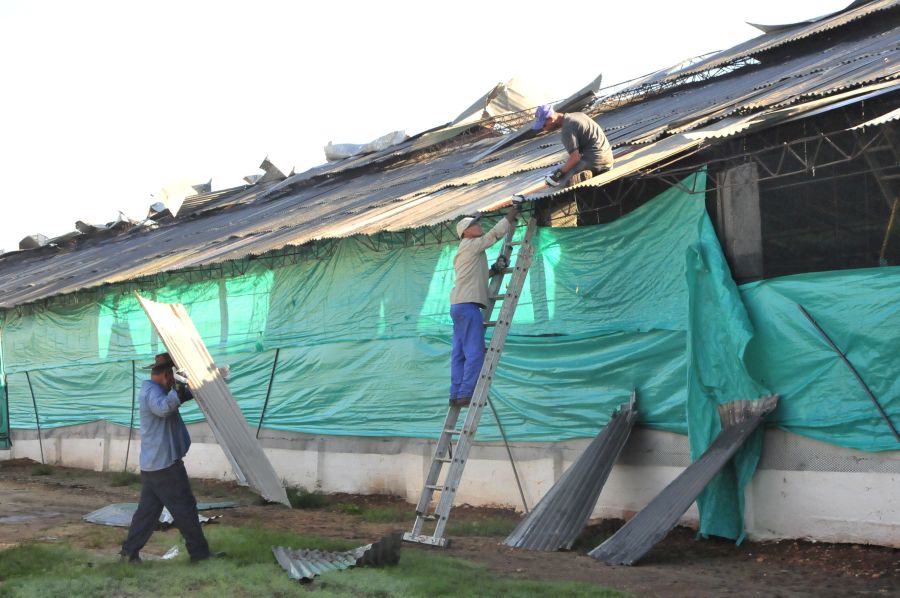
(644,302)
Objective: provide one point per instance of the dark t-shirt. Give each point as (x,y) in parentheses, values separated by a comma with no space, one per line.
(580,132)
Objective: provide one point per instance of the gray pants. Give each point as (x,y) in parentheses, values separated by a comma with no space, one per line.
(169,488)
(580,167)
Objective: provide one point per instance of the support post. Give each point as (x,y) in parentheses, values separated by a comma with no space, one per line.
(268,392)
(37,420)
(131,424)
(859,379)
(509,452)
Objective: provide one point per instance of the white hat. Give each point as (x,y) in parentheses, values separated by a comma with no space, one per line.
(465,223)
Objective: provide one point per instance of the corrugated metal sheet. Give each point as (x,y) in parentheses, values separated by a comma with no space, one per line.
(249,462)
(628,545)
(120,514)
(577,101)
(784,34)
(358,196)
(559,518)
(884,118)
(304,565)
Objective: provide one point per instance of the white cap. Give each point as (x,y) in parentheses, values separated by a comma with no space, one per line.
(465,223)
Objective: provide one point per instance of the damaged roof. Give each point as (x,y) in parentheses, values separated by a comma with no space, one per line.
(437,176)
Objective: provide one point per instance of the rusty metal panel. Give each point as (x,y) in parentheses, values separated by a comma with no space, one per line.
(559,518)
(249,462)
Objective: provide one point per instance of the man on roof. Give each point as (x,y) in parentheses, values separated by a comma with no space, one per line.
(468,297)
(589,151)
(164,480)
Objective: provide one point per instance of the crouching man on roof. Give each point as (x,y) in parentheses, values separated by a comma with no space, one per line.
(468,297)
(589,151)
(164,481)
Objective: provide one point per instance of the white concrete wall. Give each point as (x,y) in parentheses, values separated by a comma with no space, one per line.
(784,500)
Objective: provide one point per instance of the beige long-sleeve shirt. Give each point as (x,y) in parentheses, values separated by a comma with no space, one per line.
(471,266)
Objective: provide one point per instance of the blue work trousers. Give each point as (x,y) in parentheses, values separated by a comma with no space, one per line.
(468,349)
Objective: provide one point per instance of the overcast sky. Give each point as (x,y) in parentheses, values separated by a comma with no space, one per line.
(105,103)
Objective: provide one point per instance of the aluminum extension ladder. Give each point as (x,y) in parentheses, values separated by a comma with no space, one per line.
(457,457)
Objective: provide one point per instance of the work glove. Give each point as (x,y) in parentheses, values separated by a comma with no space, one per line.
(518,199)
(180,376)
(554,179)
(183,392)
(500,265)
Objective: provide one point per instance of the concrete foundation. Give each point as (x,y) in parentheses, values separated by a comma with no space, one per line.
(803,488)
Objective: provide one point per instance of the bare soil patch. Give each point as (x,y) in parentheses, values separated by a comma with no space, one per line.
(48,508)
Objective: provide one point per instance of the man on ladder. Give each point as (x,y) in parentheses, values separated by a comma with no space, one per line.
(468,297)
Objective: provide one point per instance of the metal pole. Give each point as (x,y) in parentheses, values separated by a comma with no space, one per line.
(859,379)
(509,452)
(6,405)
(37,420)
(130,425)
(268,392)
(887,233)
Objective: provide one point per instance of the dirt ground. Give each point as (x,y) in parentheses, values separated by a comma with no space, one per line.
(49,508)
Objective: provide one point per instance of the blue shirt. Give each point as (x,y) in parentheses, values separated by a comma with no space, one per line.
(164,437)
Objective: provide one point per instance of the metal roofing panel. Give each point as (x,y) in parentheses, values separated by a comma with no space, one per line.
(440,186)
(559,518)
(120,514)
(302,564)
(249,462)
(781,36)
(880,120)
(633,540)
(576,101)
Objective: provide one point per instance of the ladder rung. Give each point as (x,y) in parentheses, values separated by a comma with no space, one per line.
(423,539)
(466,434)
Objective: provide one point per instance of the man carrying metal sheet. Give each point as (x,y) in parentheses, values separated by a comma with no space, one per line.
(164,481)
(468,297)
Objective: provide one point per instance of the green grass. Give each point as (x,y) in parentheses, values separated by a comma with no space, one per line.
(388,515)
(428,573)
(42,470)
(301,498)
(348,508)
(124,478)
(491,526)
(249,569)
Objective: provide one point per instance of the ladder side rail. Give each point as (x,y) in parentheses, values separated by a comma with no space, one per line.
(497,280)
(484,382)
(440,451)
(457,465)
